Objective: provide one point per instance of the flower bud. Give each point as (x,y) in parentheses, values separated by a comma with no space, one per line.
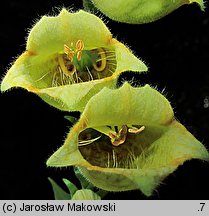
(140,11)
(85,194)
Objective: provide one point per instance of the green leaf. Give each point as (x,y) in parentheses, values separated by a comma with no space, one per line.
(71,187)
(71,119)
(59,193)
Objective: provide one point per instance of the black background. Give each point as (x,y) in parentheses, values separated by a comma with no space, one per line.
(176,50)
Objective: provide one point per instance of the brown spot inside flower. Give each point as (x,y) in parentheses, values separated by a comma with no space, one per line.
(104,154)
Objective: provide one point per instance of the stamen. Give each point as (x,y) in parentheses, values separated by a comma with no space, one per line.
(120,137)
(79,54)
(77,65)
(69,52)
(136,130)
(63,67)
(100,65)
(79,45)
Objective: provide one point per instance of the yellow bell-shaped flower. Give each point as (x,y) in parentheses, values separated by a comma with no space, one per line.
(128,139)
(68,59)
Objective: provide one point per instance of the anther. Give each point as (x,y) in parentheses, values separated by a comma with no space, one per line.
(69,52)
(120,137)
(79,45)
(79,54)
(136,130)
